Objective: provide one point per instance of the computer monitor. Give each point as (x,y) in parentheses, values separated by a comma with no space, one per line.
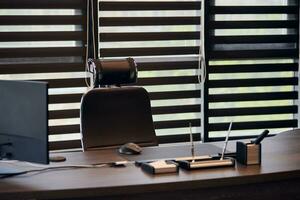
(24,121)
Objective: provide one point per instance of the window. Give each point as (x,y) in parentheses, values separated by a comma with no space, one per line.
(252,63)
(44,40)
(251,54)
(164,38)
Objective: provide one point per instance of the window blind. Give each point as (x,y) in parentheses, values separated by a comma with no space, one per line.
(163,37)
(44,40)
(252,50)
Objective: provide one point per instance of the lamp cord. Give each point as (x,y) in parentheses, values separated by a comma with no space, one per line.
(87,70)
(201,57)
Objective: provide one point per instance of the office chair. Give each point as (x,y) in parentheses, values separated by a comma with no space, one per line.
(112,116)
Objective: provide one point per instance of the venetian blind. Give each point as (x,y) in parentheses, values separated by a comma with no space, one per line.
(252,65)
(44,40)
(163,37)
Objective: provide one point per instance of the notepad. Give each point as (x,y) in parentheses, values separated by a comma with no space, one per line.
(160,167)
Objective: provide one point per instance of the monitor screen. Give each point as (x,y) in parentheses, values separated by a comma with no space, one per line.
(24,121)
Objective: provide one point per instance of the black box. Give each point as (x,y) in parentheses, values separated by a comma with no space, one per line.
(248,153)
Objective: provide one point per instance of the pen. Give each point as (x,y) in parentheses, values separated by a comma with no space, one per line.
(226,141)
(260,137)
(192,141)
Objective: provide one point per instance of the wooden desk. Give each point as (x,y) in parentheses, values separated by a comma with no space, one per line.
(278,177)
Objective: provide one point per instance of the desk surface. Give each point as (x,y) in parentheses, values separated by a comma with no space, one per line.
(280,161)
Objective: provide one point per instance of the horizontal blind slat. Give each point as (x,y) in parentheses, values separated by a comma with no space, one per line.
(254,24)
(61,114)
(254,9)
(255,39)
(168,80)
(143,36)
(252,111)
(174,95)
(254,125)
(64,129)
(40,68)
(65,83)
(147,21)
(41,36)
(149,66)
(41,52)
(65,98)
(41,20)
(253,96)
(69,144)
(253,68)
(126,6)
(258,53)
(151,51)
(175,109)
(253,82)
(33,4)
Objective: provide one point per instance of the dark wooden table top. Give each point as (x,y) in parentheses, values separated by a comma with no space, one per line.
(280,161)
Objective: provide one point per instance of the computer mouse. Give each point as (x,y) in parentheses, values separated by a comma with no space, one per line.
(130,149)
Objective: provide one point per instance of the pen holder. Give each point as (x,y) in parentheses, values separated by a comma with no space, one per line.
(248,153)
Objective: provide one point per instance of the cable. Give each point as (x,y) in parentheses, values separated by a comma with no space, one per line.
(204,71)
(65,167)
(201,58)
(199,66)
(87,60)
(93,33)
(94,42)
(201,69)
(201,61)
(87,70)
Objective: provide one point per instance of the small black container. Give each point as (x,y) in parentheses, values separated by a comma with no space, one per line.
(248,153)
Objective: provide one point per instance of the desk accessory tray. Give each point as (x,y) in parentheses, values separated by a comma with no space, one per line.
(160,167)
(206,163)
(174,160)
